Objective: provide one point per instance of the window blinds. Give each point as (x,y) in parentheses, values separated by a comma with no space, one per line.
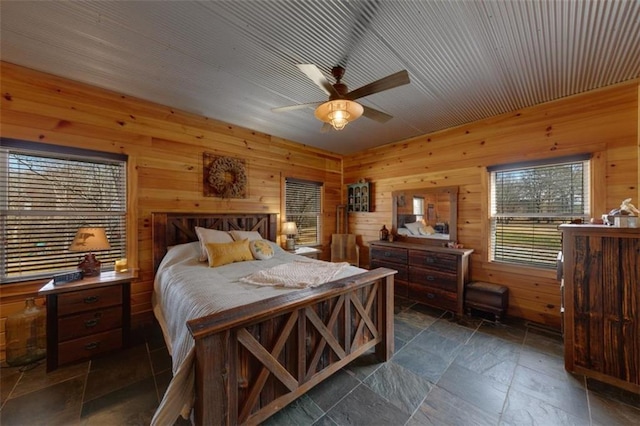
(303,200)
(45,198)
(528,204)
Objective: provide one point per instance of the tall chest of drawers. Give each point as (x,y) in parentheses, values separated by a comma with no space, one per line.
(87,318)
(431,275)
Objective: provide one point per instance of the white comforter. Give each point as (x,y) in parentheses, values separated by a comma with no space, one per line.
(185,289)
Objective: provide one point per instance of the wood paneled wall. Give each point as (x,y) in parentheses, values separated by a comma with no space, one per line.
(165,149)
(603,122)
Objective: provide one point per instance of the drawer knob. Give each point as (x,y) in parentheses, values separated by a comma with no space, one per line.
(431,278)
(91,323)
(91,299)
(431,296)
(430,260)
(91,346)
(387,254)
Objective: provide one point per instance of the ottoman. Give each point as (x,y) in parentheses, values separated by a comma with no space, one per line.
(486,297)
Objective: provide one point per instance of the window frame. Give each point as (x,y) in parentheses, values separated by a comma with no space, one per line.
(290,216)
(64,214)
(547,261)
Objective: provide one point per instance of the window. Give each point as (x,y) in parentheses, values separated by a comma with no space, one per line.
(46,194)
(529,201)
(418,208)
(303,200)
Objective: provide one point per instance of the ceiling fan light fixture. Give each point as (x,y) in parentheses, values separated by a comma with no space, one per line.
(339,112)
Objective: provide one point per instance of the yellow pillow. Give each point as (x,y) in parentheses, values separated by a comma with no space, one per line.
(225,253)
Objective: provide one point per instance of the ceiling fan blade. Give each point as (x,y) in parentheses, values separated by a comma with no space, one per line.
(295,107)
(376,115)
(389,82)
(314,73)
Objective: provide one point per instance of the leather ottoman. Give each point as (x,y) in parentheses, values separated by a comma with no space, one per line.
(486,297)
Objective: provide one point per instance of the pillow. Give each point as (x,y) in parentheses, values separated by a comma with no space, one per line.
(414,227)
(242,235)
(225,253)
(427,230)
(261,249)
(403,231)
(206,235)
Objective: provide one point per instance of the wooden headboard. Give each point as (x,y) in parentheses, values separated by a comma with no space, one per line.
(405,218)
(170,229)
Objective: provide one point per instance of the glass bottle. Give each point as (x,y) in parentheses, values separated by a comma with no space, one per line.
(384,233)
(26,335)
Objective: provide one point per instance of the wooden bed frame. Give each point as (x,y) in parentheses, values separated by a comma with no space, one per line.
(253,360)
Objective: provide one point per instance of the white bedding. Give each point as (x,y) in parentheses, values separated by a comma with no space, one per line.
(185,289)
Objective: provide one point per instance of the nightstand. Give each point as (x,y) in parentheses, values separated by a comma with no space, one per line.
(88,317)
(311,252)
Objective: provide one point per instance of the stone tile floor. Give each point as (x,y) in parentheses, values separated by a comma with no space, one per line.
(445,371)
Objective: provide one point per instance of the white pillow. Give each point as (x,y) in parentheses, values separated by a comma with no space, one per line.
(245,235)
(404,231)
(414,227)
(206,235)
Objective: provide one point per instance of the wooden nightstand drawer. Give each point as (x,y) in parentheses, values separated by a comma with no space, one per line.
(87,317)
(95,298)
(87,323)
(89,346)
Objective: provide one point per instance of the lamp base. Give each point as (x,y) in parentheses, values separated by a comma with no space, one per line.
(291,244)
(90,266)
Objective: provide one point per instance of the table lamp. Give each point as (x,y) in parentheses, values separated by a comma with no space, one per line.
(290,229)
(90,239)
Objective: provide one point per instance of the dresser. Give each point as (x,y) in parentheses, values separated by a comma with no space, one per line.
(602,303)
(431,275)
(88,317)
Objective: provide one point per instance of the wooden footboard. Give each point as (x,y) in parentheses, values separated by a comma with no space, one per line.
(253,360)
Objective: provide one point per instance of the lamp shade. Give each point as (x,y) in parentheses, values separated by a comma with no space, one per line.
(289,228)
(90,239)
(339,112)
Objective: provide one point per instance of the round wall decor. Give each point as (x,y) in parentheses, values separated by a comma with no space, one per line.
(225,177)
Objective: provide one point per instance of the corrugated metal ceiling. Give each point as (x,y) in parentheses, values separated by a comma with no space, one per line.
(235,60)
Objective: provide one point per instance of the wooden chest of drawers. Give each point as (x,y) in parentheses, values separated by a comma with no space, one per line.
(87,318)
(430,275)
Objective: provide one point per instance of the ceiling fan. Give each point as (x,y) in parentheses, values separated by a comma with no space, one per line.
(341,107)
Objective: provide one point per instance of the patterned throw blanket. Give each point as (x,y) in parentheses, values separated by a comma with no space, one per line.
(297,274)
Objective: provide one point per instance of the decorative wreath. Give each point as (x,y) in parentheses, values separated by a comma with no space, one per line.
(227,177)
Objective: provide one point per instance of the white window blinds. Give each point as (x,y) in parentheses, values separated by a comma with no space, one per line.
(528,202)
(46,196)
(303,200)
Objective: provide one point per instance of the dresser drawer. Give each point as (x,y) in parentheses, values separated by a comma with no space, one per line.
(402,274)
(90,322)
(390,254)
(89,346)
(433,278)
(433,297)
(433,260)
(86,300)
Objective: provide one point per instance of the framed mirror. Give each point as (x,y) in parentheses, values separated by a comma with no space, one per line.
(425,215)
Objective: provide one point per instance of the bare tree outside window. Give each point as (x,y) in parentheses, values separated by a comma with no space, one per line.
(45,198)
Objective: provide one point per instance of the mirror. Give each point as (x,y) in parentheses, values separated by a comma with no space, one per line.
(425,215)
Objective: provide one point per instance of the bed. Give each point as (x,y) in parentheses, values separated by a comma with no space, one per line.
(242,362)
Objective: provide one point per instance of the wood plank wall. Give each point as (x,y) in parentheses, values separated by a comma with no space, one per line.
(603,122)
(165,149)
